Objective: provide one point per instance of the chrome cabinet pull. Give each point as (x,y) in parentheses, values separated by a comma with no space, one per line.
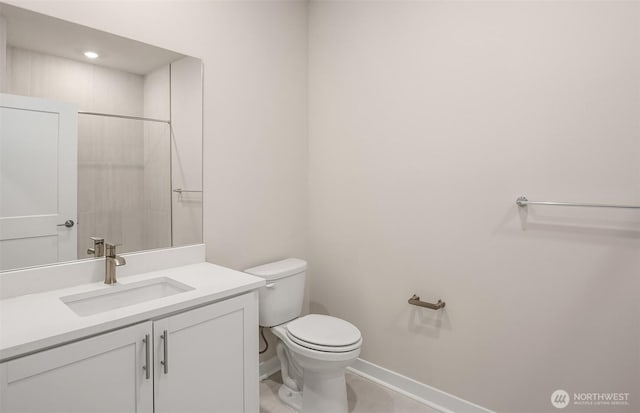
(68,223)
(146,369)
(165,342)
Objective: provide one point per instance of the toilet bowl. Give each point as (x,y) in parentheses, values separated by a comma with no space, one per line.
(314,350)
(313,344)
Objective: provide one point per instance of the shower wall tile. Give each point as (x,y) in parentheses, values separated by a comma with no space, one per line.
(107,92)
(3,51)
(157,236)
(157,167)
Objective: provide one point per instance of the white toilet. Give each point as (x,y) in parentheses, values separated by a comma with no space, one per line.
(314,350)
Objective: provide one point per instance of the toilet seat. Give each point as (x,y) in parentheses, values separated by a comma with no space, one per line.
(324,333)
(326,349)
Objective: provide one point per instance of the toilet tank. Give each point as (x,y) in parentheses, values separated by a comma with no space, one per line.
(281,298)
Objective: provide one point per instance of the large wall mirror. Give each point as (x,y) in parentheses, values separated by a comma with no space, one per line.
(106,147)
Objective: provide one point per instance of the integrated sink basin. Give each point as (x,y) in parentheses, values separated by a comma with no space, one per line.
(122,295)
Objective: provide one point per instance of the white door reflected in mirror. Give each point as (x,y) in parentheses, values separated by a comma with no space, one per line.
(38,181)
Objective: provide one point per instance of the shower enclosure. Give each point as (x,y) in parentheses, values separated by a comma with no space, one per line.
(124,182)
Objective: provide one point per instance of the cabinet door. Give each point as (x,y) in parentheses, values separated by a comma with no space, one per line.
(208,361)
(100,374)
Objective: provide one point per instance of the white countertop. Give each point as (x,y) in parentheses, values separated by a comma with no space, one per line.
(34,322)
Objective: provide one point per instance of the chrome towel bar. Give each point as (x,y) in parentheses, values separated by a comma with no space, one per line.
(523,202)
(415,300)
(180,190)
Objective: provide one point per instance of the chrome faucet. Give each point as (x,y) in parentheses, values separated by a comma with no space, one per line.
(111,262)
(98,247)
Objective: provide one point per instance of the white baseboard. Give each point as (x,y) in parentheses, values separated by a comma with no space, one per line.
(432,397)
(420,392)
(268,367)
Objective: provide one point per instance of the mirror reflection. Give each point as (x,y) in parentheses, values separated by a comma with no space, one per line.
(100,137)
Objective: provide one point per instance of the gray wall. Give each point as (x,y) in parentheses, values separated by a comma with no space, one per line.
(427,120)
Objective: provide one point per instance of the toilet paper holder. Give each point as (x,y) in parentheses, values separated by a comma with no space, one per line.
(415,300)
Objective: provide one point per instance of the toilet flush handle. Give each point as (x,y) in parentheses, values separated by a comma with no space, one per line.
(270,285)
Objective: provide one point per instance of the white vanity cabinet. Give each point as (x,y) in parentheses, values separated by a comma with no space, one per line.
(98,374)
(208,361)
(200,360)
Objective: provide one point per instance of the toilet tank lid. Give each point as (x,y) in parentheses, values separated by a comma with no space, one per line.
(278,269)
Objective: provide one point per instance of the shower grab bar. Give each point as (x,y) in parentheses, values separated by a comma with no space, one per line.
(523,202)
(415,300)
(180,190)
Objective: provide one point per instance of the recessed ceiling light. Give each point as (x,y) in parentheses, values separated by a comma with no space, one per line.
(91,55)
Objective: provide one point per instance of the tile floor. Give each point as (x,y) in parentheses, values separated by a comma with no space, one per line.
(364,397)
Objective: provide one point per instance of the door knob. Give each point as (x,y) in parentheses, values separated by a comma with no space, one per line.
(68,223)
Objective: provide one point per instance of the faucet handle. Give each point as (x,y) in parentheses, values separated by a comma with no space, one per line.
(98,247)
(110,249)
